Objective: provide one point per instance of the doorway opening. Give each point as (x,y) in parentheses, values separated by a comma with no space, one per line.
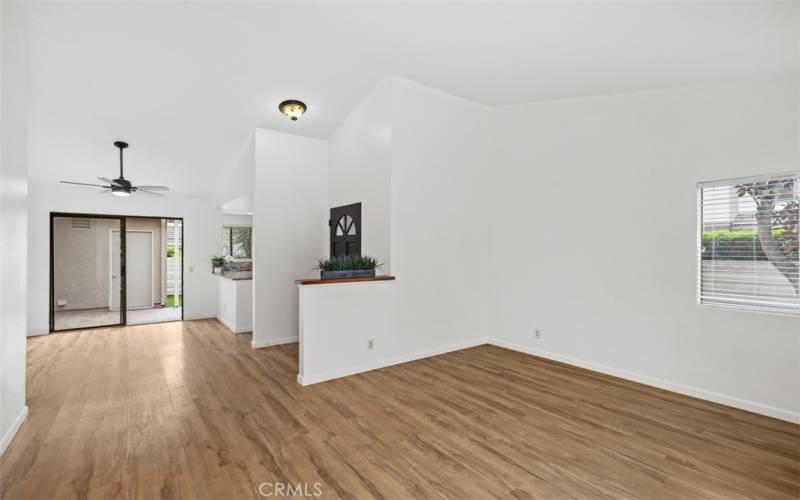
(111,270)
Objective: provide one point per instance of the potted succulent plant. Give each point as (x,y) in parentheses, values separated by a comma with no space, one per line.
(217,262)
(347,266)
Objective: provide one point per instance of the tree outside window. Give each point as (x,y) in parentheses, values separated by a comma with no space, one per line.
(237,242)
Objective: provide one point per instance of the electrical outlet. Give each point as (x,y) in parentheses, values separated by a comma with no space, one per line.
(370,344)
(537,333)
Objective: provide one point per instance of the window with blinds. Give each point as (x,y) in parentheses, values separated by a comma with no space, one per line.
(747,242)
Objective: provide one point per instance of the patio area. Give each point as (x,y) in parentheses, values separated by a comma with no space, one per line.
(68,320)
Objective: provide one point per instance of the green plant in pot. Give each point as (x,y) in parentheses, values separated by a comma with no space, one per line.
(347,266)
(217,261)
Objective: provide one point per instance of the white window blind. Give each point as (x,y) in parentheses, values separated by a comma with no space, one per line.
(747,243)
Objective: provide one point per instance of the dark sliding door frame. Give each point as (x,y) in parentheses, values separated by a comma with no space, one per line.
(123,301)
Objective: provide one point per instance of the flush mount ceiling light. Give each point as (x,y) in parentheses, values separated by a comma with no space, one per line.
(292,108)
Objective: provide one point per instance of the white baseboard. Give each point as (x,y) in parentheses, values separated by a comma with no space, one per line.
(12,431)
(232,328)
(686,390)
(226,323)
(272,342)
(197,317)
(309,379)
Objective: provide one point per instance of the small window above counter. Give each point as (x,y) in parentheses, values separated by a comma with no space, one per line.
(237,242)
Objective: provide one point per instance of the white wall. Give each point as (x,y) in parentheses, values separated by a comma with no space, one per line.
(239,180)
(438,215)
(337,321)
(290,228)
(438,224)
(201,232)
(359,170)
(13,219)
(237,220)
(593,226)
(242,204)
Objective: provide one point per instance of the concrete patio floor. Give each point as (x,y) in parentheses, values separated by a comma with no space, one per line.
(68,320)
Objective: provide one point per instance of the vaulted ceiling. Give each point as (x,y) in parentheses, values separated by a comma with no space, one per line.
(185,83)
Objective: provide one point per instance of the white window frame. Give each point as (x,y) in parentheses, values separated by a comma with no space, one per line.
(226,253)
(700,186)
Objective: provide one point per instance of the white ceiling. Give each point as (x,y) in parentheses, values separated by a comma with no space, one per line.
(185,83)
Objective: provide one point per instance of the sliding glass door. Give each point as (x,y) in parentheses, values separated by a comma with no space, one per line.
(109,270)
(153,255)
(87,275)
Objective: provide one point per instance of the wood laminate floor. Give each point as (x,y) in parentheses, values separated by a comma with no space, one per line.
(188,410)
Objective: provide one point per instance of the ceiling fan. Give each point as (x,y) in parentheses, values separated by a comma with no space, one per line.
(121,186)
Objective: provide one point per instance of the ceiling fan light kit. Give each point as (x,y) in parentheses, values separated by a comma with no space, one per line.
(121,186)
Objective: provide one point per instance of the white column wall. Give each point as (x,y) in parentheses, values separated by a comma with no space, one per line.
(438,224)
(290,214)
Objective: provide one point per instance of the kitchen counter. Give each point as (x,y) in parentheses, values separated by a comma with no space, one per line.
(342,280)
(235,301)
(237,275)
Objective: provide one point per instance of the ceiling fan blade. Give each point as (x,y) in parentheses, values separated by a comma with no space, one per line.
(153,188)
(110,181)
(149,193)
(105,190)
(84,184)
